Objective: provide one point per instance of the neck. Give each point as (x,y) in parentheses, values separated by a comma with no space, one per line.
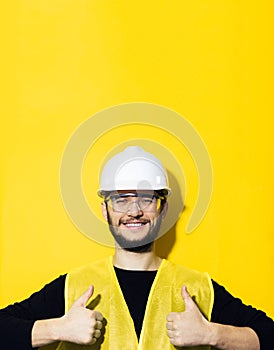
(136,261)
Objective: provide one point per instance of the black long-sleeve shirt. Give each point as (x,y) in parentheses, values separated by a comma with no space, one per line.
(16,321)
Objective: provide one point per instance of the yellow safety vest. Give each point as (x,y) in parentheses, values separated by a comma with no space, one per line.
(164,297)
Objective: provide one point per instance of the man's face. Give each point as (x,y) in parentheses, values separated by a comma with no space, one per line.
(134,220)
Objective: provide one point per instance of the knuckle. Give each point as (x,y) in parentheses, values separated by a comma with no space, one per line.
(170,316)
(92,314)
(92,323)
(172,340)
(97,333)
(99,316)
(176,341)
(175,326)
(87,339)
(93,341)
(177,335)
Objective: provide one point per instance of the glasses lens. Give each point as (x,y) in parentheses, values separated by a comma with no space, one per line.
(125,202)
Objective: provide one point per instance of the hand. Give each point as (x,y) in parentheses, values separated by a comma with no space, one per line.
(81,325)
(188,328)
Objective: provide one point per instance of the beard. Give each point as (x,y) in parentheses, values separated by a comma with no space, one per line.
(141,245)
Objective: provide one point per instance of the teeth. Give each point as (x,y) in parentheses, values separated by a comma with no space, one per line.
(134,225)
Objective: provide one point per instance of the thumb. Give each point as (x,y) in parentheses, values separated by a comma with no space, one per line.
(82,301)
(189,303)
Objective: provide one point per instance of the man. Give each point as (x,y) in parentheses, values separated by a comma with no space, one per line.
(135,299)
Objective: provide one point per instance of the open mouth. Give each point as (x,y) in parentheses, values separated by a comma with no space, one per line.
(134,225)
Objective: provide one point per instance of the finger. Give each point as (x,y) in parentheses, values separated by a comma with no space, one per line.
(171,316)
(169,325)
(82,301)
(171,334)
(97,333)
(93,341)
(98,316)
(189,303)
(98,325)
(173,342)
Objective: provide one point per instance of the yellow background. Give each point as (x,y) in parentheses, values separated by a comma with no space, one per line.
(211,61)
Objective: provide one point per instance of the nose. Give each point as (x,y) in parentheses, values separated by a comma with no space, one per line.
(134,208)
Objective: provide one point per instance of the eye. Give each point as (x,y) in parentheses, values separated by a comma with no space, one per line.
(120,201)
(147,200)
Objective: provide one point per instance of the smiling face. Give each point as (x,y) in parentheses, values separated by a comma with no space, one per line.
(136,226)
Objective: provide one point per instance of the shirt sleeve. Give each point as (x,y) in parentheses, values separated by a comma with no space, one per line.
(16,321)
(231,311)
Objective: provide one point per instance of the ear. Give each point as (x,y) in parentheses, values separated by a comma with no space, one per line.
(104,211)
(164,210)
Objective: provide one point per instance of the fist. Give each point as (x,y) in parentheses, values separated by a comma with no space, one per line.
(188,328)
(81,325)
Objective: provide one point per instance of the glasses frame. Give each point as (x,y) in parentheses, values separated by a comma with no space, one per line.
(154,194)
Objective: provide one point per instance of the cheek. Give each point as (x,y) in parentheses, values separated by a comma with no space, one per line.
(114,218)
(154,218)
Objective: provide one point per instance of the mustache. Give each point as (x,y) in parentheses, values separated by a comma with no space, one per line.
(134,221)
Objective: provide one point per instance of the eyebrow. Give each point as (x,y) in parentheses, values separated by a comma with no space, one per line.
(125,195)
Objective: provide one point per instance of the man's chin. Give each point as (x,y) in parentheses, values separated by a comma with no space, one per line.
(136,245)
(139,242)
(148,247)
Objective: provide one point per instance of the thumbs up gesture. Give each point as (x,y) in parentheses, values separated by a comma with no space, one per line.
(81,325)
(188,328)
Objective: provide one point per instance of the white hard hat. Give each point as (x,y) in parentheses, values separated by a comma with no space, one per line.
(133,169)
